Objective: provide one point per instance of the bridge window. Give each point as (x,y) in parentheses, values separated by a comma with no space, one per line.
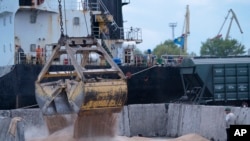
(4,50)
(4,21)
(10,19)
(76,21)
(33,18)
(33,47)
(25,2)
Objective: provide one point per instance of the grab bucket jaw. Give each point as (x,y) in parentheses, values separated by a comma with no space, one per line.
(60,98)
(105,95)
(71,97)
(81,89)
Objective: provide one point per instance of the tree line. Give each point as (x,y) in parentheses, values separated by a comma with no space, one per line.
(216,47)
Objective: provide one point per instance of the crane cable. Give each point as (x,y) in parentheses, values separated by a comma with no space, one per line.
(63,37)
(61,21)
(65,17)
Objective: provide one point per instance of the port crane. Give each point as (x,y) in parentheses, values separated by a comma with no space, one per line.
(182,40)
(234,17)
(187,31)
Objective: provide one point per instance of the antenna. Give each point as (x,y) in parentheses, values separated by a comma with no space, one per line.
(172,25)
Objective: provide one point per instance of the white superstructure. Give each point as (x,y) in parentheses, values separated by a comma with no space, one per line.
(29,23)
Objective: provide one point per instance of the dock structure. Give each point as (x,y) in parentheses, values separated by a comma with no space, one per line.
(149,120)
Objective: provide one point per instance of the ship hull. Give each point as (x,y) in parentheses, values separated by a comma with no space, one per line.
(156,85)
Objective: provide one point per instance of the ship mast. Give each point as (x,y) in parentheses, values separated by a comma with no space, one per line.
(187,31)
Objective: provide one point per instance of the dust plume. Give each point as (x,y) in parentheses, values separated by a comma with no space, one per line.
(35,132)
(81,127)
(59,122)
(95,125)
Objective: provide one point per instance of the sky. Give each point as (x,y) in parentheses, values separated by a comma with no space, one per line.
(206,19)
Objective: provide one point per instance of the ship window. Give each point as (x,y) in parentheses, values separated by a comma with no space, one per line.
(4,48)
(25,2)
(32,18)
(76,21)
(10,19)
(33,47)
(10,47)
(4,21)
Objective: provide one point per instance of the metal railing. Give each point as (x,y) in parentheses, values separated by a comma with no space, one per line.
(25,58)
(31,58)
(124,33)
(174,60)
(133,34)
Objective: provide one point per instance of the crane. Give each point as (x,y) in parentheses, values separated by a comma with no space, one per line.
(187,31)
(230,24)
(182,40)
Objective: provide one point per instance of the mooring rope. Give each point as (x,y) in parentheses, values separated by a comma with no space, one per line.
(30,106)
(143,70)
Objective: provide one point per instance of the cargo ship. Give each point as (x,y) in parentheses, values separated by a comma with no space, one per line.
(32,23)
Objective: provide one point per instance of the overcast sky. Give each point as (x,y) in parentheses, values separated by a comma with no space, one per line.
(206,18)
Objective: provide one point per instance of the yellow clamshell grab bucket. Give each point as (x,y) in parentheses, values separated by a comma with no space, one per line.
(80,89)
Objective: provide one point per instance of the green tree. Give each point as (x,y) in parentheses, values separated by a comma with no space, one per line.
(192,54)
(168,47)
(221,48)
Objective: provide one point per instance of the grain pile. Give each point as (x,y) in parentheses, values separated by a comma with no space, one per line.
(190,137)
(92,127)
(64,135)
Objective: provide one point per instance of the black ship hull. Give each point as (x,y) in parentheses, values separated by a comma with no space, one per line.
(156,85)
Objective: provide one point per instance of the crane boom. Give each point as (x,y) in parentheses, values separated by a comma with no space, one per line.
(236,20)
(187,31)
(234,17)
